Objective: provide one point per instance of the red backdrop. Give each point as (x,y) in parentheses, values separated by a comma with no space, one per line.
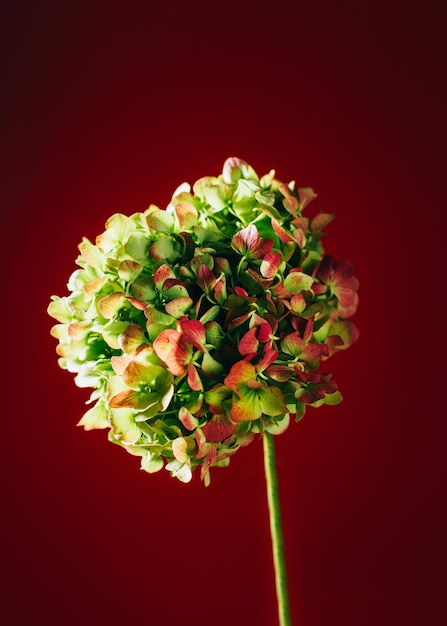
(109,109)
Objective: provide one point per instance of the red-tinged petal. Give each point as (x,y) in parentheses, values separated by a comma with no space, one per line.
(194,333)
(300,237)
(247,408)
(78,330)
(163,345)
(179,356)
(293,344)
(186,214)
(161,274)
(95,285)
(308,331)
(306,195)
(302,222)
(263,248)
(290,202)
(334,343)
(218,429)
(311,352)
(119,363)
(270,264)
(326,269)
(220,290)
(232,170)
(194,379)
(127,399)
(246,239)
(265,332)
(239,373)
(203,446)
(134,374)
(248,343)
(131,338)
(298,303)
(281,232)
(111,304)
(138,304)
(233,320)
(170,349)
(320,222)
(241,292)
(187,419)
(178,307)
(205,278)
(129,270)
(267,359)
(280,373)
(254,384)
(206,464)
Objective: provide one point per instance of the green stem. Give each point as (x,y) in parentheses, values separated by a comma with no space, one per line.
(276,530)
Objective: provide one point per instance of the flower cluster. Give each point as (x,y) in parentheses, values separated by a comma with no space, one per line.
(200,325)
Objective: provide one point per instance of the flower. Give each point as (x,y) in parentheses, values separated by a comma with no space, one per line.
(202,325)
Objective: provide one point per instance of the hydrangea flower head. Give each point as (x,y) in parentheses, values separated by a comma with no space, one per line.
(204,324)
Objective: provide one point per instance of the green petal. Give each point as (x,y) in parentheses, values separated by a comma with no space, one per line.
(279,426)
(123,425)
(272,401)
(211,366)
(164,248)
(246,408)
(111,304)
(96,417)
(186,214)
(137,246)
(129,270)
(178,307)
(182,471)
(131,338)
(151,463)
(296,282)
(159,220)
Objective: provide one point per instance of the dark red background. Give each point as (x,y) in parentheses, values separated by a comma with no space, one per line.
(109,109)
